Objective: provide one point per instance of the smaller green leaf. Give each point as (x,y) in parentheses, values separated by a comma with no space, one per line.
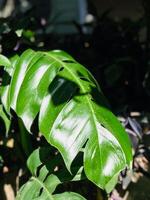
(36,189)
(43,158)
(44,181)
(36,158)
(5,119)
(5,83)
(4,61)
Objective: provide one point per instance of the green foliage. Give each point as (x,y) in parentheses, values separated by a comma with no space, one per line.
(5,119)
(4,61)
(72,112)
(44,180)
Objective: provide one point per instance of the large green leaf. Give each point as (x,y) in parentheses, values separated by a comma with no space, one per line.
(44,181)
(73,113)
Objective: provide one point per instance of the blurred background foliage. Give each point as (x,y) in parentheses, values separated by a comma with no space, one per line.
(112,40)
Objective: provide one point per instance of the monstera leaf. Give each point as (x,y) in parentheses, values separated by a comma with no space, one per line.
(43,182)
(4,61)
(72,113)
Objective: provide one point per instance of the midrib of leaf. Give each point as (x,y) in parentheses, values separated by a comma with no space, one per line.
(78,81)
(80,84)
(43,186)
(84,91)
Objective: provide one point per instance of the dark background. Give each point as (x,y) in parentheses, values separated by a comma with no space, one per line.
(114,44)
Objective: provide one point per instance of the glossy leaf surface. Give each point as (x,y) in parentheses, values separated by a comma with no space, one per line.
(73,113)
